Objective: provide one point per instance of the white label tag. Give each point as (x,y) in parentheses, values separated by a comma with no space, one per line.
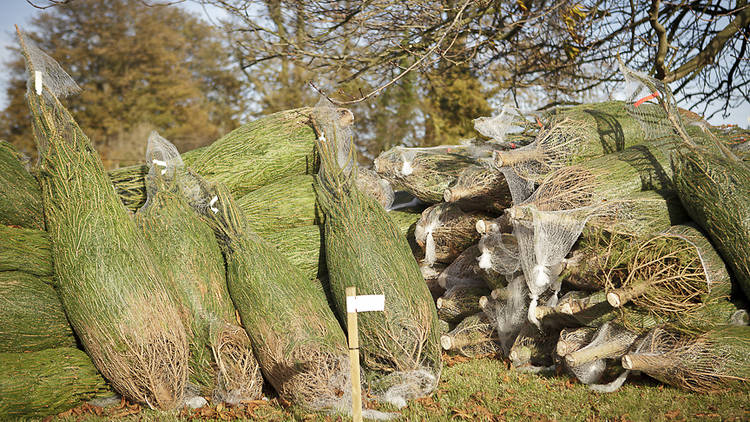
(365,303)
(38,82)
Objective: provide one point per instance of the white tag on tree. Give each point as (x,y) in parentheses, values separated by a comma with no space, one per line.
(365,303)
(38,82)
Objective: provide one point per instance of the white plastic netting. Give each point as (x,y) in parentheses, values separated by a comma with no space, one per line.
(438,218)
(499,253)
(373,185)
(48,80)
(164,164)
(47,73)
(547,225)
(509,313)
(651,103)
(337,137)
(496,128)
(463,271)
(543,243)
(553,147)
(589,363)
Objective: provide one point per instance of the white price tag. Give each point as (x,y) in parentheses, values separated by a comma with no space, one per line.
(365,303)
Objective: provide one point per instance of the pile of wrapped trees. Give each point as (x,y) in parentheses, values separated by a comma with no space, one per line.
(601,238)
(203,276)
(590,237)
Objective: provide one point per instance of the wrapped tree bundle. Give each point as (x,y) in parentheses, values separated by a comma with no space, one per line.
(256,154)
(424,172)
(20,196)
(109,285)
(365,249)
(302,247)
(714,361)
(533,347)
(572,339)
(679,276)
(592,355)
(370,183)
(459,302)
(508,309)
(47,382)
(31,315)
(25,250)
(638,168)
(499,258)
(222,364)
(610,128)
(611,341)
(480,188)
(297,340)
(284,204)
(474,336)
(444,231)
(716,193)
(602,250)
(464,271)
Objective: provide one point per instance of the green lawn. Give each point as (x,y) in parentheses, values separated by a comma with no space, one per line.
(484,389)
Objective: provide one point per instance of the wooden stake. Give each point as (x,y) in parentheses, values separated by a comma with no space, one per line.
(353,334)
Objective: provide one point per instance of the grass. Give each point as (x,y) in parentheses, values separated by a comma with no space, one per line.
(486,390)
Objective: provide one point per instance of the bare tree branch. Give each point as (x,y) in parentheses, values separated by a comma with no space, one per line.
(708,55)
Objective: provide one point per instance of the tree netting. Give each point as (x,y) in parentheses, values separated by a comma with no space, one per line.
(445,230)
(714,361)
(611,341)
(479,188)
(424,172)
(20,196)
(400,347)
(676,275)
(651,103)
(553,147)
(296,338)
(47,382)
(608,128)
(222,364)
(547,225)
(370,183)
(716,194)
(474,336)
(592,355)
(284,204)
(26,250)
(509,312)
(31,315)
(510,121)
(109,285)
(499,258)
(465,271)
(458,302)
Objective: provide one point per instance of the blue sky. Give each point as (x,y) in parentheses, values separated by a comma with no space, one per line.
(20,12)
